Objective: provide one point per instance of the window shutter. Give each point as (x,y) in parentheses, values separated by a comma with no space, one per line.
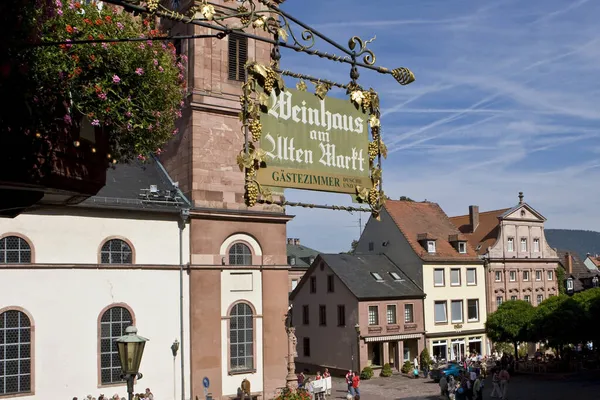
(237,56)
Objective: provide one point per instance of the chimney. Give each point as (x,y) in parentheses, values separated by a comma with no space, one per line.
(521,197)
(569,263)
(290,241)
(297,242)
(474,217)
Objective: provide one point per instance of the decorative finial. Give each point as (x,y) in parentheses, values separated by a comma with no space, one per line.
(521,197)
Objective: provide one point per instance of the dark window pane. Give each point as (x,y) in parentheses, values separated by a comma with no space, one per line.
(25,367)
(11,384)
(25,383)
(14,250)
(116,251)
(12,352)
(114,322)
(12,367)
(106,374)
(240,254)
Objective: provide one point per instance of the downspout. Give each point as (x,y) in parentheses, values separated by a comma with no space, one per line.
(185,213)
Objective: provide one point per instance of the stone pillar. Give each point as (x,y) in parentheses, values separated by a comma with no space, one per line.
(291,379)
(401,352)
(386,353)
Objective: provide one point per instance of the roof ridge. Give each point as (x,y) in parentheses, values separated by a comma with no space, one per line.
(484,212)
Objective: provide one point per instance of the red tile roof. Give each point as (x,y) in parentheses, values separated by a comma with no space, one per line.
(486,232)
(595,260)
(425,218)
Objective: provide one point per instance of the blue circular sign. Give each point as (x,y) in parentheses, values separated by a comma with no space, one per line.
(205,382)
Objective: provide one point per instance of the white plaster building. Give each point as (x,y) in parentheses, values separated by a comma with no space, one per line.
(72,279)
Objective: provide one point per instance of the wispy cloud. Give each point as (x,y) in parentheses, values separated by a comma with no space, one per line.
(506,100)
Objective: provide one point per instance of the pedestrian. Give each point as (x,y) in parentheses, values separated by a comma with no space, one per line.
(478,389)
(355,385)
(326,375)
(301,380)
(495,384)
(504,377)
(443,386)
(349,382)
(416,363)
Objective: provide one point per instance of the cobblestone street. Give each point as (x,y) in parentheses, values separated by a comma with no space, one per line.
(521,388)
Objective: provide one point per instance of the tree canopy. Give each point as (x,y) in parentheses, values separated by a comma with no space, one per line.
(510,323)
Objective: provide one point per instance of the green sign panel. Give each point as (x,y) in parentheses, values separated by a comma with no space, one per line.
(314,144)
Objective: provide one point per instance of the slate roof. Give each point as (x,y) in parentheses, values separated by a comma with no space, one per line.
(487,231)
(125,183)
(355,272)
(302,253)
(579,270)
(419,218)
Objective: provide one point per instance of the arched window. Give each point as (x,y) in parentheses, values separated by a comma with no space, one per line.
(14,250)
(113,323)
(15,352)
(241,338)
(240,254)
(116,251)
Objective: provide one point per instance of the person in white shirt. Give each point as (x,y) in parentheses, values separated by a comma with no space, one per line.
(416,363)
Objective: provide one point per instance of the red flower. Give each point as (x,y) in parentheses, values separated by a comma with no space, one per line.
(75,58)
(77,71)
(108,18)
(98,21)
(92,57)
(87,21)
(69,29)
(146,22)
(90,37)
(77,5)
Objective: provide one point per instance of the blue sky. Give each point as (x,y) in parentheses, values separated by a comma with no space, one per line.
(507,99)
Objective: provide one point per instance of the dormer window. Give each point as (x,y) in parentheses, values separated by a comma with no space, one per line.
(395,276)
(462,247)
(376,276)
(458,242)
(292,260)
(431,246)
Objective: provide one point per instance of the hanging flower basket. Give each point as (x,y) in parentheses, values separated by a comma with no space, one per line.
(75,109)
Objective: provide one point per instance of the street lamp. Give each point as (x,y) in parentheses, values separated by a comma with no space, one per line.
(131,347)
(357,328)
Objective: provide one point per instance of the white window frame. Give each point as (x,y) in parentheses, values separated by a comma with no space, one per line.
(443,277)
(476,309)
(373,311)
(527,298)
(499,301)
(510,245)
(550,275)
(512,276)
(409,311)
(462,247)
(474,270)
(393,314)
(540,298)
(498,276)
(538,275)
(523,245)
(536,245)
(462,312)
(454,271)
(570,284)
(514,298)
(526,276)
(431,246)
(445,303)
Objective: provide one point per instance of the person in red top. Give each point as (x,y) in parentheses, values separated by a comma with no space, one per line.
(355,385)
(318,376)
(349,381)
(326,375)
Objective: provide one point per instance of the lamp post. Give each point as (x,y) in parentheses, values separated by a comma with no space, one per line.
(357,328)
(131,348)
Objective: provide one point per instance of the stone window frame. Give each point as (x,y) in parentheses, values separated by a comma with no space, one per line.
(239,237)
(375,320)
(474,283)
(459,283)
(510,244)
(411,307)
(31,391)
(121,238)
(393,314)
(497,273)
(231,247)
(462,311)
(27,240)
(99,340)
(255,317)
(443,277)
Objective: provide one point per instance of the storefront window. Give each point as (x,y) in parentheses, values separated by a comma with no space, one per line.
(440,350)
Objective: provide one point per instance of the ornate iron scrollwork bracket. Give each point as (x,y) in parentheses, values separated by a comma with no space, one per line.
(286,30)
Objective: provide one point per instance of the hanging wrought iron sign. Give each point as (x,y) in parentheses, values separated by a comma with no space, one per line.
(294,138)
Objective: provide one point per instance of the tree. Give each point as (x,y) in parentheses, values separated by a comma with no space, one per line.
(353,246)
(405,198)
(510,323)
(560,278)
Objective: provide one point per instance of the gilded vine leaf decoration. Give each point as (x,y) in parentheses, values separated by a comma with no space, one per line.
(322,89)
(301,85)
(357,97)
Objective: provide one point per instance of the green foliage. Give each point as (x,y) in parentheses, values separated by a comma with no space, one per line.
(560,279)
(135,89)
(386,371)
(579,241)
(405,198)
(407,367)
(503,347)
(367,373)
(298,394)
(425,360)
(353,246)
(511,322)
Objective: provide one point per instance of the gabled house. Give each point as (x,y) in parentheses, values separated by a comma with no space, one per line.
(419,237)
(592,262)
(520,264)
(299,258)
(345,302)
(577,275)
